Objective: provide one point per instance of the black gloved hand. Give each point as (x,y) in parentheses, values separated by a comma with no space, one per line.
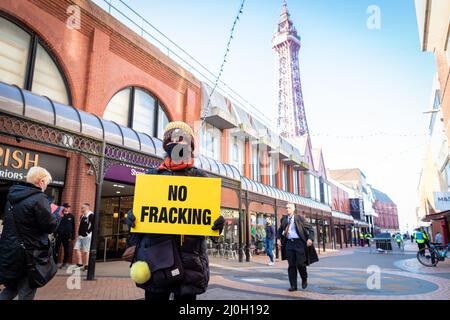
(219,224)
(130,219)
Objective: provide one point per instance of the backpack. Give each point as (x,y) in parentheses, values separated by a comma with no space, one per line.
(418,236)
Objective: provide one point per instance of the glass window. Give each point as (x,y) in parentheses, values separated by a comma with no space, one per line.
(47,80)
(144,107)
(14,44)
(256,169)
(312,187)
(237,153)
(144,112)
(118,107)
(284,177)
(307,185)
(273,171)
(162,122)
(436,105)
(211,141)
(295,181)
(36,72)
(317,194)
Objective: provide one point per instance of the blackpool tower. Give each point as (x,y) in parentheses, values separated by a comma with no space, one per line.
(291,112)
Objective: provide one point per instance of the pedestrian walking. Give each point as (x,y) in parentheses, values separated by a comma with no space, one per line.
(65,234)
(83,243)
(438,238)
(178,142)
(269,241)
(295,236)
(399,240)
(28,222)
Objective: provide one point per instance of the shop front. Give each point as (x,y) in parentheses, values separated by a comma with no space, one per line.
(228,242)
(440,222)
(258,222)
(343,228)
(117,200)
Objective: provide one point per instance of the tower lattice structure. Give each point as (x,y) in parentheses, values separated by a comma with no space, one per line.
(291,111)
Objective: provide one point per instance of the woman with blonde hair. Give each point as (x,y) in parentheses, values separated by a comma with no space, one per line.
(26,261)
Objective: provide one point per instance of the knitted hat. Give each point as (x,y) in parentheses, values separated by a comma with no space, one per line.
(180,129)
(179,125)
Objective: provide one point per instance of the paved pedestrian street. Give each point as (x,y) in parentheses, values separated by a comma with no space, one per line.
(340,275)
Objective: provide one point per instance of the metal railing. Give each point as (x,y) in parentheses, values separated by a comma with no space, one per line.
(120,10)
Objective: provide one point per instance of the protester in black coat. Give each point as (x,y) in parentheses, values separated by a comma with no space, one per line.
(192,248)
(34,222)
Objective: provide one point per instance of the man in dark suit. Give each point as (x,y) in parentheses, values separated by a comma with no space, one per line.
(296,235)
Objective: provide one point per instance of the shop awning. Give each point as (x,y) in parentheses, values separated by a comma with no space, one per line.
(26,104)
(436,216)
(341,215)
(217,167)
(215,109)
(360,223)
(257,187)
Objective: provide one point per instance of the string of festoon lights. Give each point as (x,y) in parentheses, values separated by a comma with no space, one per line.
(227,50)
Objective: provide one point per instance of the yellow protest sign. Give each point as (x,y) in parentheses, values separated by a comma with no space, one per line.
(176,204)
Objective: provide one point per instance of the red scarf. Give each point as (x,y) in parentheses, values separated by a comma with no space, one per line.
(169,164)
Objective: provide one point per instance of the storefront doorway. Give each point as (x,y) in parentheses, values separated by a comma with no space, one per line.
(258,221)
(117,200)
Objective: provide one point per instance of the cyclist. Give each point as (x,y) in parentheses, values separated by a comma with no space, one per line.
(422,240)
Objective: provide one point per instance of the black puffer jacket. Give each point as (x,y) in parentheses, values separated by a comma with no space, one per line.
(33,221)
(193,250)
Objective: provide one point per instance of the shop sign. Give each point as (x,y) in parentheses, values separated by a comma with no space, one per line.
(123,173)
(356,208)
(229,213)
(441,201)
(15,163)
(176,204)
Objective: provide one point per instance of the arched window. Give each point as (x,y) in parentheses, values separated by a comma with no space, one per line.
(136,108)
(25,62)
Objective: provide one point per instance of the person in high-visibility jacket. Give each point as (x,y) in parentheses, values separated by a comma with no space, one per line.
(368,236)
(361,239)
(422,240)
(399,239)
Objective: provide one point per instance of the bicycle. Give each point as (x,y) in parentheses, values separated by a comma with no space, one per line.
(430,256)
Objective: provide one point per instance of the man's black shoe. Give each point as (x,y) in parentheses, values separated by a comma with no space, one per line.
(292,289)
(304,284)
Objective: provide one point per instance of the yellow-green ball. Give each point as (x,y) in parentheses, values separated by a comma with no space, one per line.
(140,272)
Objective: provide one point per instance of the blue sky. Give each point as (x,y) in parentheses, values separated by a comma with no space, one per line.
(356,81)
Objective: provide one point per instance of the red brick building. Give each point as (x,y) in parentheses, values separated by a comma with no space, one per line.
(387,220)
(100,65)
